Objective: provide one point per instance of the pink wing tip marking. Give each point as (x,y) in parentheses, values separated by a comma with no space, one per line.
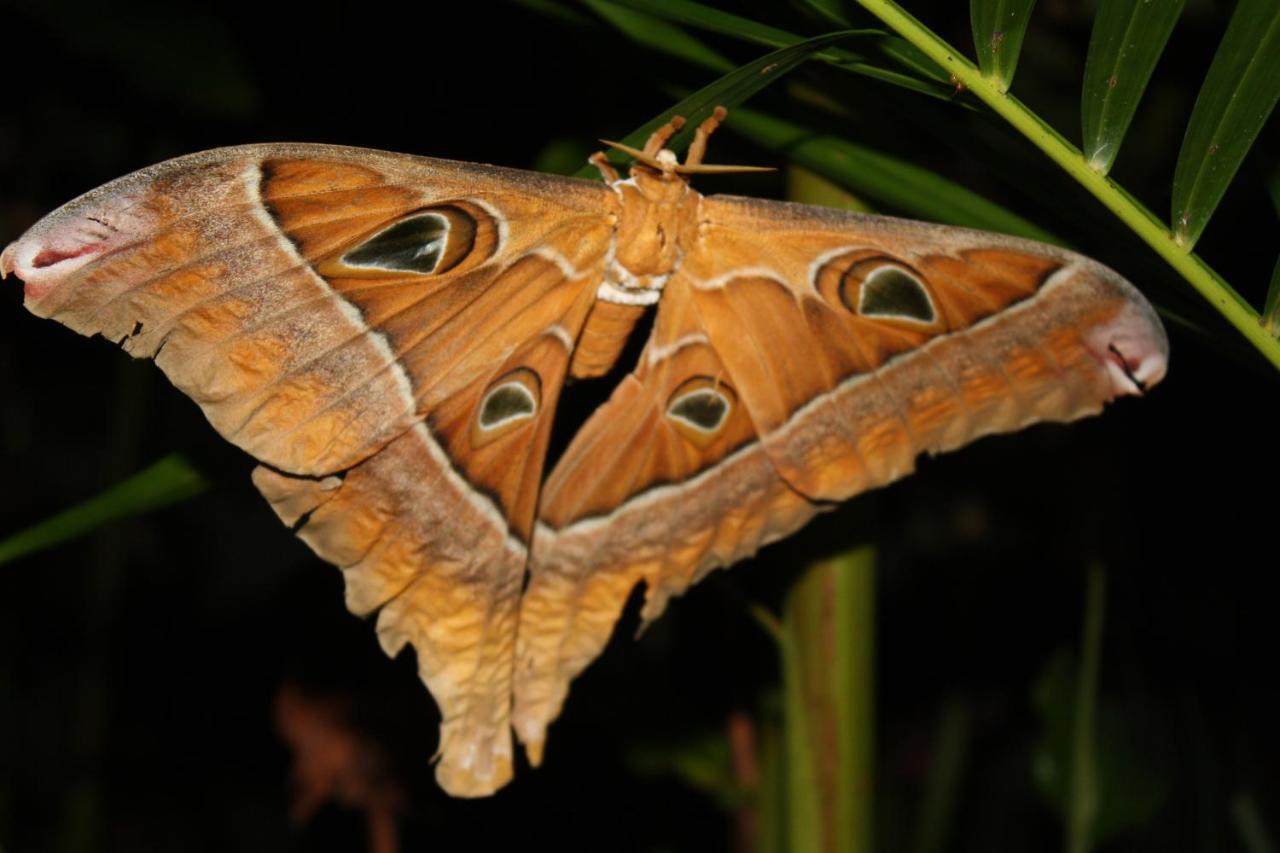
(42,264)
(1133,348)
(49,257)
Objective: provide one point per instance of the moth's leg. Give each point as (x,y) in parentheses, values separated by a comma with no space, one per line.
(660,136)
(698,149)
(601,162)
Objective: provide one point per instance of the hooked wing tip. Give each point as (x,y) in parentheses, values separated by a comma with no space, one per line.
(7,259)
(75,235)
(1134,349)
(43,257)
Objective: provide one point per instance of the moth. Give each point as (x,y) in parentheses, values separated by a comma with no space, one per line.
(388,336)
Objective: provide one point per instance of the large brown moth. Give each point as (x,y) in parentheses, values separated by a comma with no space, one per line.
(388,336)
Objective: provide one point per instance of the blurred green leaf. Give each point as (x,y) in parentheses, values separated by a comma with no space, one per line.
(1271,309)
(998,29)
(657,34)
(883,178)
(943,784)
(702,762)
(715,20)
(827,662)
(1250,825)
(1238,95)
(908,55)
(831,11)
(1127,40)
(771,802)
(563,156)
(729,91)
(726,23)
(560,11)
(168,481)
(1129,787)
(808,187)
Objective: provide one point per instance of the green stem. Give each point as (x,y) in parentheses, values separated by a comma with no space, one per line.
(827,662)
(946,776)
(1143,222)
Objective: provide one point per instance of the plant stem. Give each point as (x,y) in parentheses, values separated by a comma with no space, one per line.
(946,771)
(1142,221)
(1083,802)
(827,661)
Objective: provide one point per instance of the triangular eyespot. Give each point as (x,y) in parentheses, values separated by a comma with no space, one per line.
(877,286)
(700,408)
(509,402)
(429,241)
(890,292)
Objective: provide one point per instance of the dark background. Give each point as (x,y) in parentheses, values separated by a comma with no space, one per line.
(138,666)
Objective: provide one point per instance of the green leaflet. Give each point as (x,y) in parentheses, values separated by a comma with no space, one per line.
(1127,40)
(1238,95)
(998,29)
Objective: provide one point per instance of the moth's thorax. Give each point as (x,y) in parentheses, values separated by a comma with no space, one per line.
(657,222)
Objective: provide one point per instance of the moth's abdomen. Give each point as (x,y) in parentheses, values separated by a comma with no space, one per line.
(609,325)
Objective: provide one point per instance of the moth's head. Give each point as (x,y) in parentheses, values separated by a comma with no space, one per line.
(665,163)
(662,164)
(657,162)
(660,182)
